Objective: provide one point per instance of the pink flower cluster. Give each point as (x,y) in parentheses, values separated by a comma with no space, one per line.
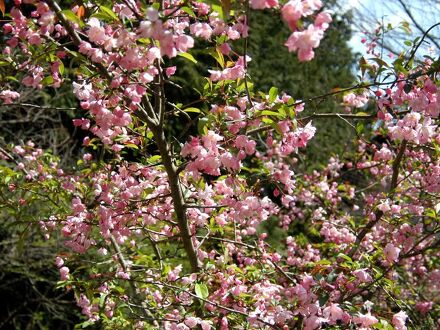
(355,100)
(305,40)
(294,139)
(237,71)
(9,96)
(411,128)
(208,157)
(263,4)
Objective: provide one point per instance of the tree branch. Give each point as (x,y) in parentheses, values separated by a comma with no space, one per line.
(378,214)
(176,195)
(74,35)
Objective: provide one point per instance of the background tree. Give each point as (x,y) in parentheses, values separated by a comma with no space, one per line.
(331,68)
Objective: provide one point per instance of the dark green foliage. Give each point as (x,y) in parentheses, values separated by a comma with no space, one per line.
(28,279)
(28,275)
(273,65)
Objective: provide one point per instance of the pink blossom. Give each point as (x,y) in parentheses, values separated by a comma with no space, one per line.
(96,33)
(384,154)
(333,313)
(355,100)
(243,142)
(225,48)
(384,206)
(304,41)
(184,42)
(82,91)
(174,274)
(362,275)
(210,140)
(365,320)
(230,162)
(170,71)
(152,14)
(64,273)
(291,12)
(122,274)
(19,150)
(201,30)
(424,306)
(191,321)
(323,20)
(206,325)
(9,96)
(167,45)
(263,4)
(399,320)
(59,262)
(7,28)
(391,252)
(313,322)
(232,73)
(145,29)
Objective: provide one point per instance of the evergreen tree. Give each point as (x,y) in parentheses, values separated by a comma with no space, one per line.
(331,68)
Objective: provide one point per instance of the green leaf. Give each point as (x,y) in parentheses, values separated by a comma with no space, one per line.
(362,114)
(344,256)
(271,113)
(132,146)
(383,324)
(202,126)
(273,93)
(217,54)
(70,16)
(154,159)
(379,61)
(105,14)
(267,120)
(73,53)
(360,128)
(189,11)
(398,66)
(363,65)
(102,300)
(61,67)
(201,290)
(218,9)
(195,110)
(108,12)
(323,299)
(405,27)
(188,56)
(47,81)
(276,128)
(242,86)
(12,78)
(84,325)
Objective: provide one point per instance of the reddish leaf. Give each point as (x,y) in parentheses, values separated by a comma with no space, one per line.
(80,13)
(2,7)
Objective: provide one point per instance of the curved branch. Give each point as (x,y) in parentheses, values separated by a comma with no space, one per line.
(378,214)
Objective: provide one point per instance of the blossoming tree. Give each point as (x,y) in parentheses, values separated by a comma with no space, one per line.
(172,236)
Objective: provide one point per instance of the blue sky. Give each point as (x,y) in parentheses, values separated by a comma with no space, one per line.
(390,12)
(394,17)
